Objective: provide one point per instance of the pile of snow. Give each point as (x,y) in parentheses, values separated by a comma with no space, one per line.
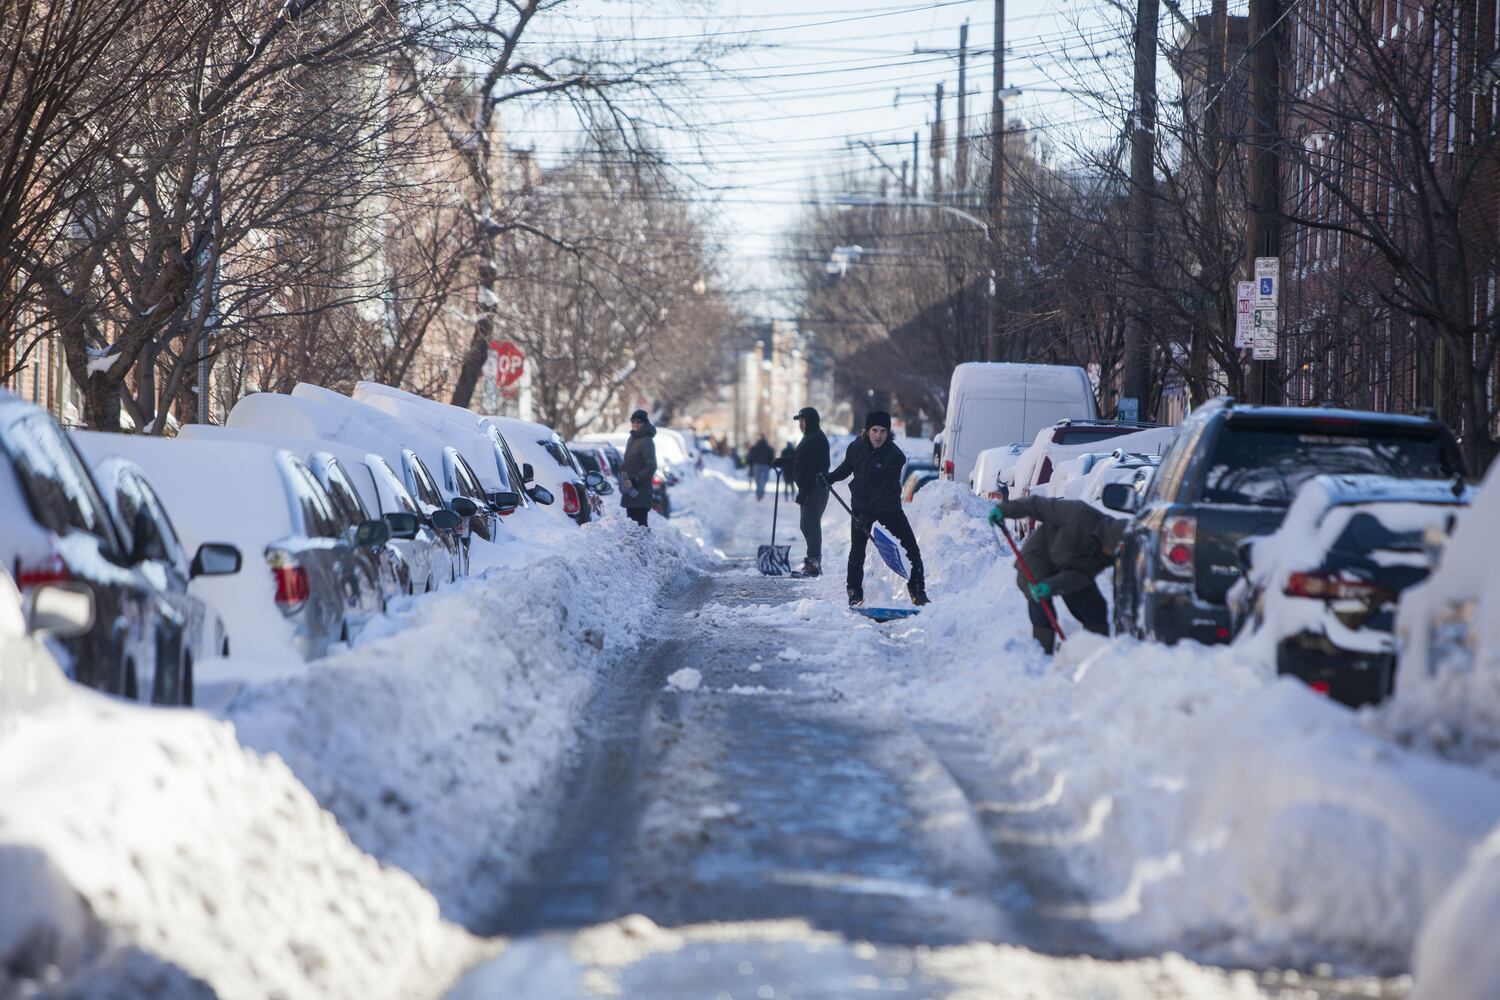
(153,855)
(319,839)
(1196,802)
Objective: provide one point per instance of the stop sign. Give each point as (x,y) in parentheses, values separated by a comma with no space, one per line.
(510,361)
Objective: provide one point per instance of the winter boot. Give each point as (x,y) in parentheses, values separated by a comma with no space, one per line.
(917,594)
(856,598)
(811,567)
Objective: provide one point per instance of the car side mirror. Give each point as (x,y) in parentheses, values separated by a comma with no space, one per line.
(527,472)
(371,534)
(605,489)
(540,494)
(60,610)
(504,501)
(444,520)
(403,523)
(215,559)
(1120,497)
(593,480)
(463,506)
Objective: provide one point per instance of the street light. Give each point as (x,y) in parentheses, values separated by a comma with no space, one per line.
(862,199)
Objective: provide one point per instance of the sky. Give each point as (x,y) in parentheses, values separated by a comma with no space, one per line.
(819,87)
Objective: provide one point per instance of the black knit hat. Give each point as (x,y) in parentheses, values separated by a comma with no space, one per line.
(641,416)
(877,418)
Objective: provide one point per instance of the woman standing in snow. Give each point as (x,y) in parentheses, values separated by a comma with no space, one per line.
(638,469)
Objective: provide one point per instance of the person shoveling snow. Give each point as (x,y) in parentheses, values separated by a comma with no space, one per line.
(1072,543)
(875,496)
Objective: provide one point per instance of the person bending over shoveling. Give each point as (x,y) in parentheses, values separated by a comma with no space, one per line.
(1072,542)
(875,497)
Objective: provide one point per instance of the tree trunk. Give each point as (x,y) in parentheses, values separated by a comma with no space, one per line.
(472,368)
(101,403)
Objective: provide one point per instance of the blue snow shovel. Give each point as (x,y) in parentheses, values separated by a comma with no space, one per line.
(773,559)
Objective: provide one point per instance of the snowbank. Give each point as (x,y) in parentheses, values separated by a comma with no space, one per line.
(160,852)
(1196,803)
(154,856)
(437,746)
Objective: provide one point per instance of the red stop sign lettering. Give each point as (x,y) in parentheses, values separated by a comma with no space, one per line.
(510,362)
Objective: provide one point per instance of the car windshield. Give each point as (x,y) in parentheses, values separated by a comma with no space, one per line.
(1088,435)
(1265,465)
(587,461)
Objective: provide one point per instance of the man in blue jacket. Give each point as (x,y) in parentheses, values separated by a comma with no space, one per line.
(875,497)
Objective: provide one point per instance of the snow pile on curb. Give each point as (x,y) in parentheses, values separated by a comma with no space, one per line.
(167,853)
(1194,802)
(152,855)
(437,746)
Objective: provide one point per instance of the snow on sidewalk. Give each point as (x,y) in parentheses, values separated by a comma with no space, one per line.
(263,855)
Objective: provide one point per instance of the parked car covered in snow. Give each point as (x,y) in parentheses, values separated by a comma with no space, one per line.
(58,529)
(1231,472)
(551,466)
(1131,468)
(301,588)
(592,458)
(1067,440)
(989,476)
(146,528)
(916,480)
(1448,626)
(1320,592)
(435,553)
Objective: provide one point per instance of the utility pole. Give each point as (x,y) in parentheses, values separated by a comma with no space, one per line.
(1134,385)
(961,129)
(916,163)
(936,146)
(1263,224)
(1220,272)
(994,341)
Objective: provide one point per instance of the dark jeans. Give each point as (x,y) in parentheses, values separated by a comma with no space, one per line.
(1087,606)
(900,528)
(638,514)
(814,502)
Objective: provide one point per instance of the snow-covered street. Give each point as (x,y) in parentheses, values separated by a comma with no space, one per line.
(633,766)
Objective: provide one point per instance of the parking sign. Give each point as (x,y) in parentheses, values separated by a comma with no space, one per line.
(1267,282)
(1244,330)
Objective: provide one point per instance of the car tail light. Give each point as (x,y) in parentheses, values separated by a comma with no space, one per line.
(658,481)
(1329,587)
(947,470)
(570,499)
(1179,543)
(292,583)
(1320,687)
(53,570)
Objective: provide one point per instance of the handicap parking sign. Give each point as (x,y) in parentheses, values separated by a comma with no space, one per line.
(1266,286)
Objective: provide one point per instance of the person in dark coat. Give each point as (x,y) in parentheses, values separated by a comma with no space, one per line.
(809,466)
(784,464)
(1072,542)
(759,458)
(875,497)
(638,468)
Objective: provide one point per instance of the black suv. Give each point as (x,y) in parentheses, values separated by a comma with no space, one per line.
(1230,473)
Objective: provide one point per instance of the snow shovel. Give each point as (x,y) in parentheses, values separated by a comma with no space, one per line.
(884,544)
(773,559)
(1031,578)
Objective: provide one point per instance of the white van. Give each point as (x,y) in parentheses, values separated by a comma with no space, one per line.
(995,403)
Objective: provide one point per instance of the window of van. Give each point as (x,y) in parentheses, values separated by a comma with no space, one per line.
(987,421)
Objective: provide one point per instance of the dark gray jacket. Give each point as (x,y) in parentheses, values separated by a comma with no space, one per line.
(1068,548)
(639,466)
(810,461)
(876,486)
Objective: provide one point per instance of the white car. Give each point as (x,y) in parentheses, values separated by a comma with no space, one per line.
(991,467)
(539,448)
(1318,595)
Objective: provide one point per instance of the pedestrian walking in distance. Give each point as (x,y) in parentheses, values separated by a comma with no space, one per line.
(1072,542)
(759,458)
(809,467)
(638,469)
(875,463)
